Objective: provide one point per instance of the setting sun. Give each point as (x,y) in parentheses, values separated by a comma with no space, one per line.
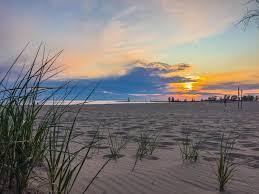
(188,86)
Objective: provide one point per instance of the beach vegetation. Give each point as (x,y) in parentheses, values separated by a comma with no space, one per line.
(225,165)
(147,143)
(189,147)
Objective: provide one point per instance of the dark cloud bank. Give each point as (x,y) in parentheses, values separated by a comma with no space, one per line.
(143,79)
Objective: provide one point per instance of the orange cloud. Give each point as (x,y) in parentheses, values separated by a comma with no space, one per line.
(217,83)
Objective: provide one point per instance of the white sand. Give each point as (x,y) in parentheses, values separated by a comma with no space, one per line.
(165,172)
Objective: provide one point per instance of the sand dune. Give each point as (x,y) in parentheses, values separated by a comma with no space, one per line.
(164,172)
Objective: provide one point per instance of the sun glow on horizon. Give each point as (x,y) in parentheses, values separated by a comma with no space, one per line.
(188,86)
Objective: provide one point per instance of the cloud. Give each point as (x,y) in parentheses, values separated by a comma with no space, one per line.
(194,19)
(232,86)
(163,68)
(99,37)
(141,80)
(144,78)
(183,66)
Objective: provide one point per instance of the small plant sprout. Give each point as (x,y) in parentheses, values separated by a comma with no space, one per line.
(147,143)
(225,165)
(189,148)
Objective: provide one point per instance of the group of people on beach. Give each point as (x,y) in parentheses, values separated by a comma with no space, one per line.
(170,99)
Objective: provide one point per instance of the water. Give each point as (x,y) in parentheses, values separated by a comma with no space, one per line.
(66,102)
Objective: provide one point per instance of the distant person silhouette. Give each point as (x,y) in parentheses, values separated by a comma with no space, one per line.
(225,102)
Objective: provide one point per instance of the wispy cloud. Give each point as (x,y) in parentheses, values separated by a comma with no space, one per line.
(99,37)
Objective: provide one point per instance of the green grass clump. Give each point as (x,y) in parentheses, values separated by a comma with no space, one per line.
(225,166)
(147,143)
(189,149)
(116,144)
(22,144)
(32,133)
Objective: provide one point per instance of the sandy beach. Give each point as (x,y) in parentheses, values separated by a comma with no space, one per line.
(164,171)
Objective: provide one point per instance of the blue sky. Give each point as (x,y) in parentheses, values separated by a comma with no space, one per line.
(117,40)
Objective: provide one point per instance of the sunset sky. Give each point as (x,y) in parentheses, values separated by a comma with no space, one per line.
(139,48)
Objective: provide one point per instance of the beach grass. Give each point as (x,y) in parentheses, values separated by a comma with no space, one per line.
(116,144)
(225,166)
(32,134)
(147,143)
(22,136)
(189,148)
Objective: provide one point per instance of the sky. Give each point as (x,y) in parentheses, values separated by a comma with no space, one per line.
(142,49)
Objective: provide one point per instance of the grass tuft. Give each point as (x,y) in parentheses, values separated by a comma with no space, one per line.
(147,143)
(116,144)
(189,149)
(225,166)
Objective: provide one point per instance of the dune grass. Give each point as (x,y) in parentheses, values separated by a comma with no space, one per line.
(225,166)
(116,144)
(147,143)
(64,161)
(32,134)
(22,137)
(189,148)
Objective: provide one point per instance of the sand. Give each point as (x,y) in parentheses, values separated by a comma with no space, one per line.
(165,172)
